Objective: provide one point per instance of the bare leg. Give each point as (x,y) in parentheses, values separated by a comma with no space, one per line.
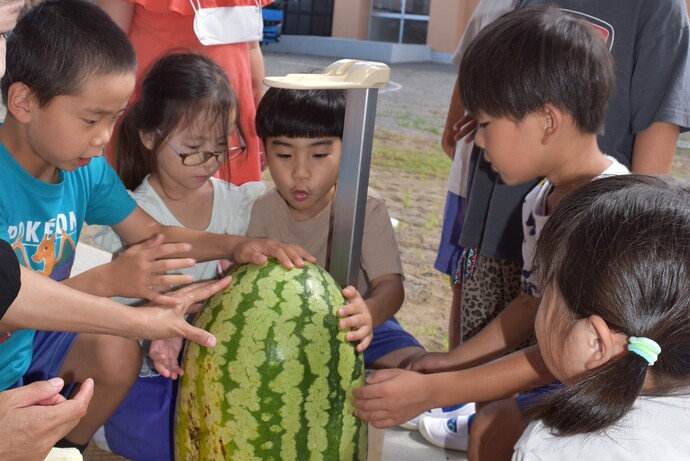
(114,364)
(495,430)
(454,321)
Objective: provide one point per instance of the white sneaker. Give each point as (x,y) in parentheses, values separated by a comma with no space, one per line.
(464,409)
(451,433)
(100,440)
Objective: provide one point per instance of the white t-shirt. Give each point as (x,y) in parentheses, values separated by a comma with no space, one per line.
(485,12)
(533,219)
(656,428)
(232,206)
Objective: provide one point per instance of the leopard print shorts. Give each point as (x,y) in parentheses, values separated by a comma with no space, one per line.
(491,285)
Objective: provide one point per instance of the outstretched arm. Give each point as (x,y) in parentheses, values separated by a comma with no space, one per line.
(206,246)
(504,333)
(43,304)
(392,397)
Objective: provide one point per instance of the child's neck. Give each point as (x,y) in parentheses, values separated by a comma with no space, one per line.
(193,208)
(580,162)
(14,137)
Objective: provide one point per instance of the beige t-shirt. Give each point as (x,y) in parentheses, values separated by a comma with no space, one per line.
(271,218)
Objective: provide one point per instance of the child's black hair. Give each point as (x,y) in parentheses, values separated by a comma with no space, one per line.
(534,56)
(178,89)
(619,248)
(58,44)
(301,113)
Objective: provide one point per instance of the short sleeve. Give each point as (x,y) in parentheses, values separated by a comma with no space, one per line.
(380,253)
(10,278)
(259,217)
(109,202)
(660,83)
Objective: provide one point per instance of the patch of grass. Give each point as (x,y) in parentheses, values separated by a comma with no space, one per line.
(432,222)
(410,155)
(407,200)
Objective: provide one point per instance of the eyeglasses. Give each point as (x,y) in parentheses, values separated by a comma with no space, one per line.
(201,157)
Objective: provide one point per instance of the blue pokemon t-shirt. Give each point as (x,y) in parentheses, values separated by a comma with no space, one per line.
(42,223)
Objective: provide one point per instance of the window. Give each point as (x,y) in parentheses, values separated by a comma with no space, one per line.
(399,21)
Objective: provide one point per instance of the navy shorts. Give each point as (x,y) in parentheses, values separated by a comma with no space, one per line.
(449,249)
(49,352)
(388,337)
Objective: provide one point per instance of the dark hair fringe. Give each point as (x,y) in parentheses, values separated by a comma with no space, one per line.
(535,56)
(301,113)
(58,44)
(178,88)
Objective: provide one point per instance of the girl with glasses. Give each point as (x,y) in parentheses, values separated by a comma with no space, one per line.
(171,143)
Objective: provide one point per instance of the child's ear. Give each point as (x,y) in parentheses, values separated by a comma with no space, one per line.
(20,102)
(552,118)
(147,139)
(604,344)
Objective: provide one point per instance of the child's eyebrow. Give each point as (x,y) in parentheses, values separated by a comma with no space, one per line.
(99,111)
(320,142)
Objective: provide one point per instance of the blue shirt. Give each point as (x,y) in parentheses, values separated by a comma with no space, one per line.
(43,222)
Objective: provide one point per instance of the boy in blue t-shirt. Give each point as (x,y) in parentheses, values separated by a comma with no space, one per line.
(70,73)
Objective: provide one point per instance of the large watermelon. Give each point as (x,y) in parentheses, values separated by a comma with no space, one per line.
(278,385)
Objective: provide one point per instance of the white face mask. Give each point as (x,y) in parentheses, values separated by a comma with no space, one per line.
(230,24)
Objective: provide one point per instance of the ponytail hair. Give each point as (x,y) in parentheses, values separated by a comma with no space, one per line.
(619,248)
(179,89)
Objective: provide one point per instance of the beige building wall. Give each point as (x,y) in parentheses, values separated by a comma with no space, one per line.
(447,21)
(351,19)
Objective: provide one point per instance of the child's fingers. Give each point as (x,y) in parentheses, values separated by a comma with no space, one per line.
(156,249)
(364,343)
(169,280)
(350,294)
(174,264)
(199,291)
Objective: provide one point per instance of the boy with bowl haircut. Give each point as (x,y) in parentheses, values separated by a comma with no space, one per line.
(302,133)
(538,82)
(70,73)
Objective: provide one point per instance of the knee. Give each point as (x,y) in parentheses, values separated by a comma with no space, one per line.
(495,430)
(119,360)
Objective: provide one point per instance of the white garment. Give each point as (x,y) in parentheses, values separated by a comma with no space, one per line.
(655,429)
(533,219)
(232,206)
(485,12)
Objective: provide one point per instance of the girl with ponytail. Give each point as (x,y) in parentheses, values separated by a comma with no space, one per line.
(614,324)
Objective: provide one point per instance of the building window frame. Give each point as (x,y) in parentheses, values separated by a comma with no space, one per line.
(401,16)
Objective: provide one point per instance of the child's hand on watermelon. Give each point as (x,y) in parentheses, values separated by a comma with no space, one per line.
(164,353)
(257,251)
(393,396)
(141,271)
(355,316)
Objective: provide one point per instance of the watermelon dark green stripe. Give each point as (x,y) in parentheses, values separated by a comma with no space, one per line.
(279,384)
